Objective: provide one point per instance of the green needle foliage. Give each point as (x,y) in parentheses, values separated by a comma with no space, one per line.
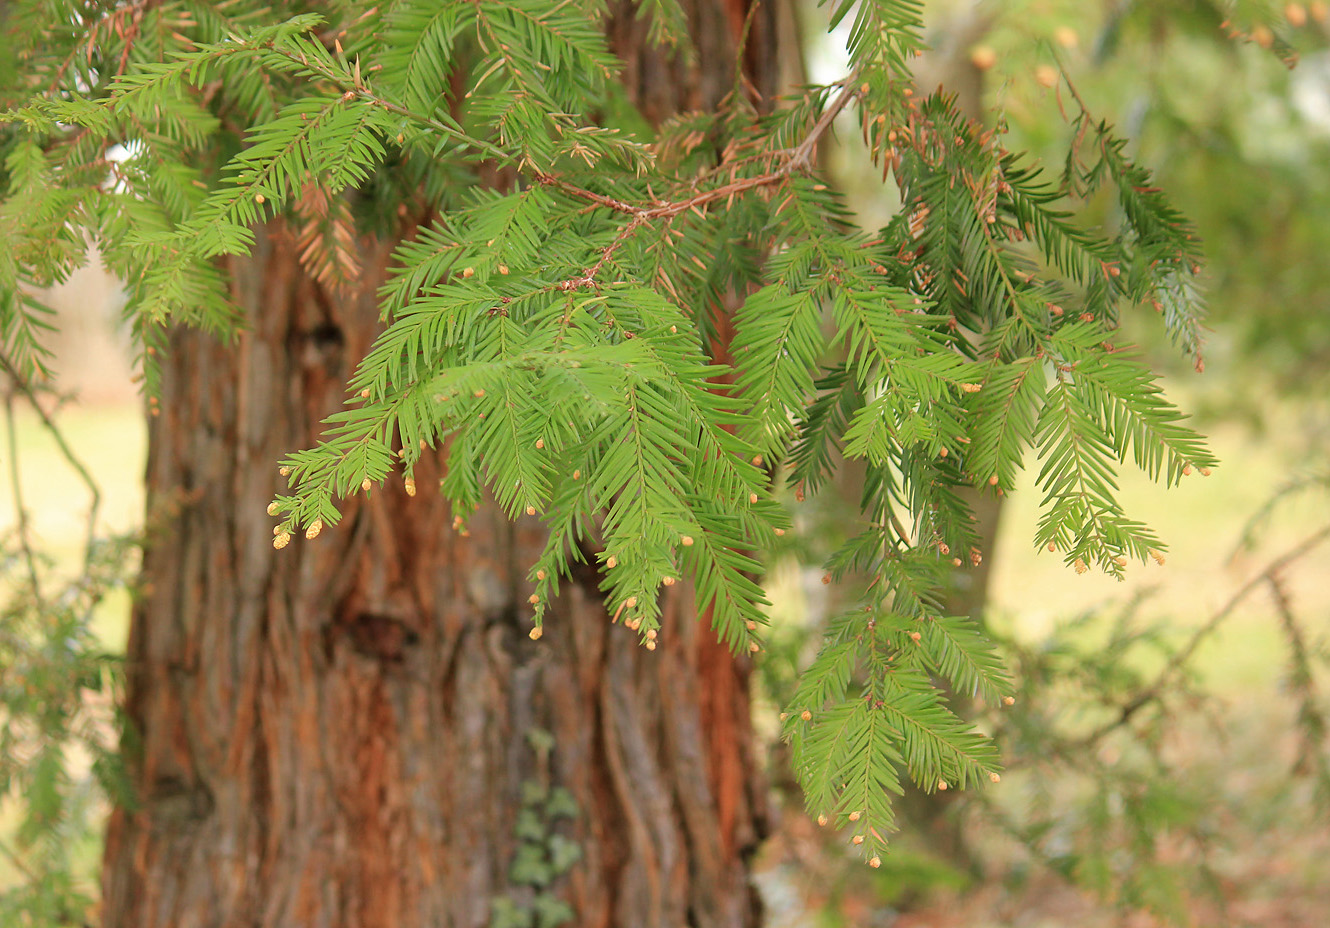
(562,332)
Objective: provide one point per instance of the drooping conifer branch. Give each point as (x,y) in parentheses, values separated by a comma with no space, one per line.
(560,356)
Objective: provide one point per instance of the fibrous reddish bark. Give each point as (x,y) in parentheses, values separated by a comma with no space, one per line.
(338,734)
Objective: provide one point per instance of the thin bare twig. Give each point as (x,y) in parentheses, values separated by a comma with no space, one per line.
(94,506)
(20,510)
(801,157)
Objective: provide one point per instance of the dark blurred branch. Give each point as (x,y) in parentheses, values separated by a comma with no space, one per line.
(1179,660)
(1311,756)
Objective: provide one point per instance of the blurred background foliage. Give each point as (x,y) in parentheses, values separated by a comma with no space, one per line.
(1167,757)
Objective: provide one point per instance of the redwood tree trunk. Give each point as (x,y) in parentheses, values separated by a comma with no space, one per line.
(343,733)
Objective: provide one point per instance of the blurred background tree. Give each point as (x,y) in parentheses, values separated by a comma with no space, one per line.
(1185,796)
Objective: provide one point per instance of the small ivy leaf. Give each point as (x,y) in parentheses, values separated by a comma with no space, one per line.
(552,911)
(529,827)
(530,866)
(561,804)
(564,852)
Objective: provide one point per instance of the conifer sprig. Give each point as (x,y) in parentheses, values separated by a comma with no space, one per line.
(1164,249)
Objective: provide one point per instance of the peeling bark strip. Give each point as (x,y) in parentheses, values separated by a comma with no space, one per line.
(336,735)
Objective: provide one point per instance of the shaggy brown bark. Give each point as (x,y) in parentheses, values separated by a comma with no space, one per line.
(339,734)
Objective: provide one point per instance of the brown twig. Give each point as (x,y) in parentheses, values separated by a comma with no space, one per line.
(796,159)
(589,275)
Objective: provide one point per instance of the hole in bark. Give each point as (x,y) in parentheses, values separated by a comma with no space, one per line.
(174,801)
(321,346)
(326,337)
(380,637)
